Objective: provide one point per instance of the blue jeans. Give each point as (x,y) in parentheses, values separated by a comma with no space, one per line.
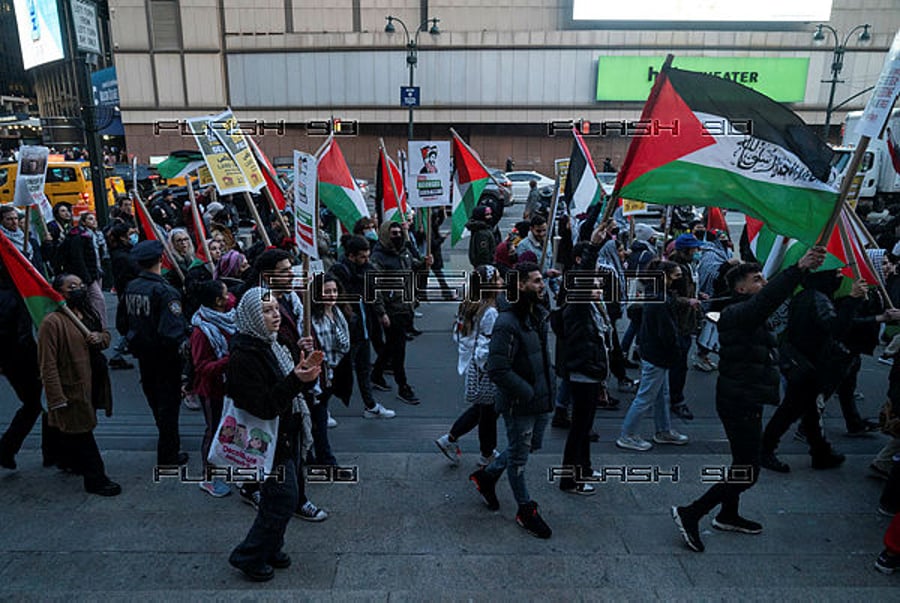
(654,390)
(563,395)
(524,434)
(277,504)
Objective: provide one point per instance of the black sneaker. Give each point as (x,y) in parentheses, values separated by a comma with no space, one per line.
(263,573)
(528,518)
(107,488)
(829,460)
(683,412)
(280,560)
(379,383)
(737,524)
(250,497)
(7,460)
(864,428)
(486,486)
(407,394)
(689,527)
(582,489)
(773,463)
(887,562)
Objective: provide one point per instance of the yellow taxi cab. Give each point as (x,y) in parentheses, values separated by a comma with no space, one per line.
(68,181)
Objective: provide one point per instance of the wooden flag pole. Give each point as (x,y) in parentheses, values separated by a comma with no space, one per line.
(25,230)
(845,189)
(167,249)
(255,212)
(81,326)
(274,208)
(307,309)
(197,222)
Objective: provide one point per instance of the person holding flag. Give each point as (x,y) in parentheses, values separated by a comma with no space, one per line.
(748,379)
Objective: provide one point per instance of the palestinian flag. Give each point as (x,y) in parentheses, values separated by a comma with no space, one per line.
(269,175)
(337,188)
(40,298)
(200,237)
(696,152)
(582,188)
(149,231)
(469,179)
(715,220)
(389,189)
(893,151)
(180,163)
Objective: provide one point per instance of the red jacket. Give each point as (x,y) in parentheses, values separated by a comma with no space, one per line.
(209,371)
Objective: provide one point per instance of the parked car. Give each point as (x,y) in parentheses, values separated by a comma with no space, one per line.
(520,183)
(503,193)
(68,181)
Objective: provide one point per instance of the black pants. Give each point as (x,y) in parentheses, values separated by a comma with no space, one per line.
(361,359)
(320,454)
(278,501)
(161,382)
(845,393)
(394,353)
(617,358)
(20,365)
(678,373)
(743,427)
(482,416)
(577,452)
(84,457)
(799,403)
(212,414)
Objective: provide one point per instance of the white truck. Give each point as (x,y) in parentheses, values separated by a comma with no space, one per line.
(880,185)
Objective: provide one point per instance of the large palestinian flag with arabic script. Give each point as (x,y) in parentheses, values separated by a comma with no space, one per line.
(716,143)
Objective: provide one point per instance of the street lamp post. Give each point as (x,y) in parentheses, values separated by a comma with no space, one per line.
(412,49)
(837,60)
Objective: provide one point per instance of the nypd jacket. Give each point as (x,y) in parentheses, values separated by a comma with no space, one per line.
(156,323)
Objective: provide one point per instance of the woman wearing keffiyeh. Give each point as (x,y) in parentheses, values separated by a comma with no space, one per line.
(264,381)
(213,325)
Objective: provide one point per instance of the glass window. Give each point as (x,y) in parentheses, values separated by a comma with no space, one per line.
(61,174)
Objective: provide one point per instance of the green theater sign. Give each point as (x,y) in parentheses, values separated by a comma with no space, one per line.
(629,78)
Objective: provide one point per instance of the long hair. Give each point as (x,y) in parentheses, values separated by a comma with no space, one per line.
(317,307)
(471,311)
(189,256)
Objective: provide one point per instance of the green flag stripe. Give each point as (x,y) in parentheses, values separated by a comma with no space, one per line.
(39,307)
(795,212)
(336,199)
(463,210)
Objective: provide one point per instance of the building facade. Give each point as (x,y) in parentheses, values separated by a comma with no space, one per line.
(498,72)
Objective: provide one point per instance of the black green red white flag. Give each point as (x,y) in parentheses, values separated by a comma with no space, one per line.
(712,142)
(582,188)
(470,176)
(40,298)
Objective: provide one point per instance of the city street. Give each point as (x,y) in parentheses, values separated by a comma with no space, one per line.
(413,528)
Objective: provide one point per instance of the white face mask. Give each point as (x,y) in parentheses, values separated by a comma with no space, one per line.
(133,238)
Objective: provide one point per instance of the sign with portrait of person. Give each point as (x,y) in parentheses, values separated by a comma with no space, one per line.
(428,173)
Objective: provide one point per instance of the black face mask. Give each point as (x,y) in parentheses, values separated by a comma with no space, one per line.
(397,241)
(77,298)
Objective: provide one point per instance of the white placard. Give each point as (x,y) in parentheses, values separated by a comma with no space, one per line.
(305,176)
(879,106)
(428,173)
(32,173)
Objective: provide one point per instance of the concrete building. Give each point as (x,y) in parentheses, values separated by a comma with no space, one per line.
(499,72)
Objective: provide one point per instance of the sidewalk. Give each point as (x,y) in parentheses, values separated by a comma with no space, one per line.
(413,528)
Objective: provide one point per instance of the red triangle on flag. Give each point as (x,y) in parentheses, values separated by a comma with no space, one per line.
(672,130)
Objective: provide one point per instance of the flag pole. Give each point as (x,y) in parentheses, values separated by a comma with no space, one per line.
(849,250)
(198,232)
(379,202)
(324,144)
(25,229)
(849,215)
(847,182)
(268,194)
(553,208)
(167,249)
(81,326)
(255,212)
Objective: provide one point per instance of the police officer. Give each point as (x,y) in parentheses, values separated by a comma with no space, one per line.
(157,330)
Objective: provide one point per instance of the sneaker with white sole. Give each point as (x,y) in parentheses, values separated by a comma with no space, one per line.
(331,421)
(450,449)
(582,489)
(670,437)
(886,360)
(251,498)
(689,527)
(705,364)
(378,412)
(484,461)
(634,442)
(311,512)
(216,488)
(737,524)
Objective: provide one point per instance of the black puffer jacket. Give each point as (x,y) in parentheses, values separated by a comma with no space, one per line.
(814,323)
(748,357)
(659,332)
(519,359)
(581,347)
(254,381)
(386,258)
(76,255)
(481,244)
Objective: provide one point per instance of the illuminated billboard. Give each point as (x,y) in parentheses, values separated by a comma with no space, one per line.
(40,36)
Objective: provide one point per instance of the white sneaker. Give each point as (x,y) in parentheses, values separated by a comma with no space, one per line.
(192,402)
(484,461)
(378,412)
(450,449)
(311,512)
(634,442)
(331,421)
(670,437)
